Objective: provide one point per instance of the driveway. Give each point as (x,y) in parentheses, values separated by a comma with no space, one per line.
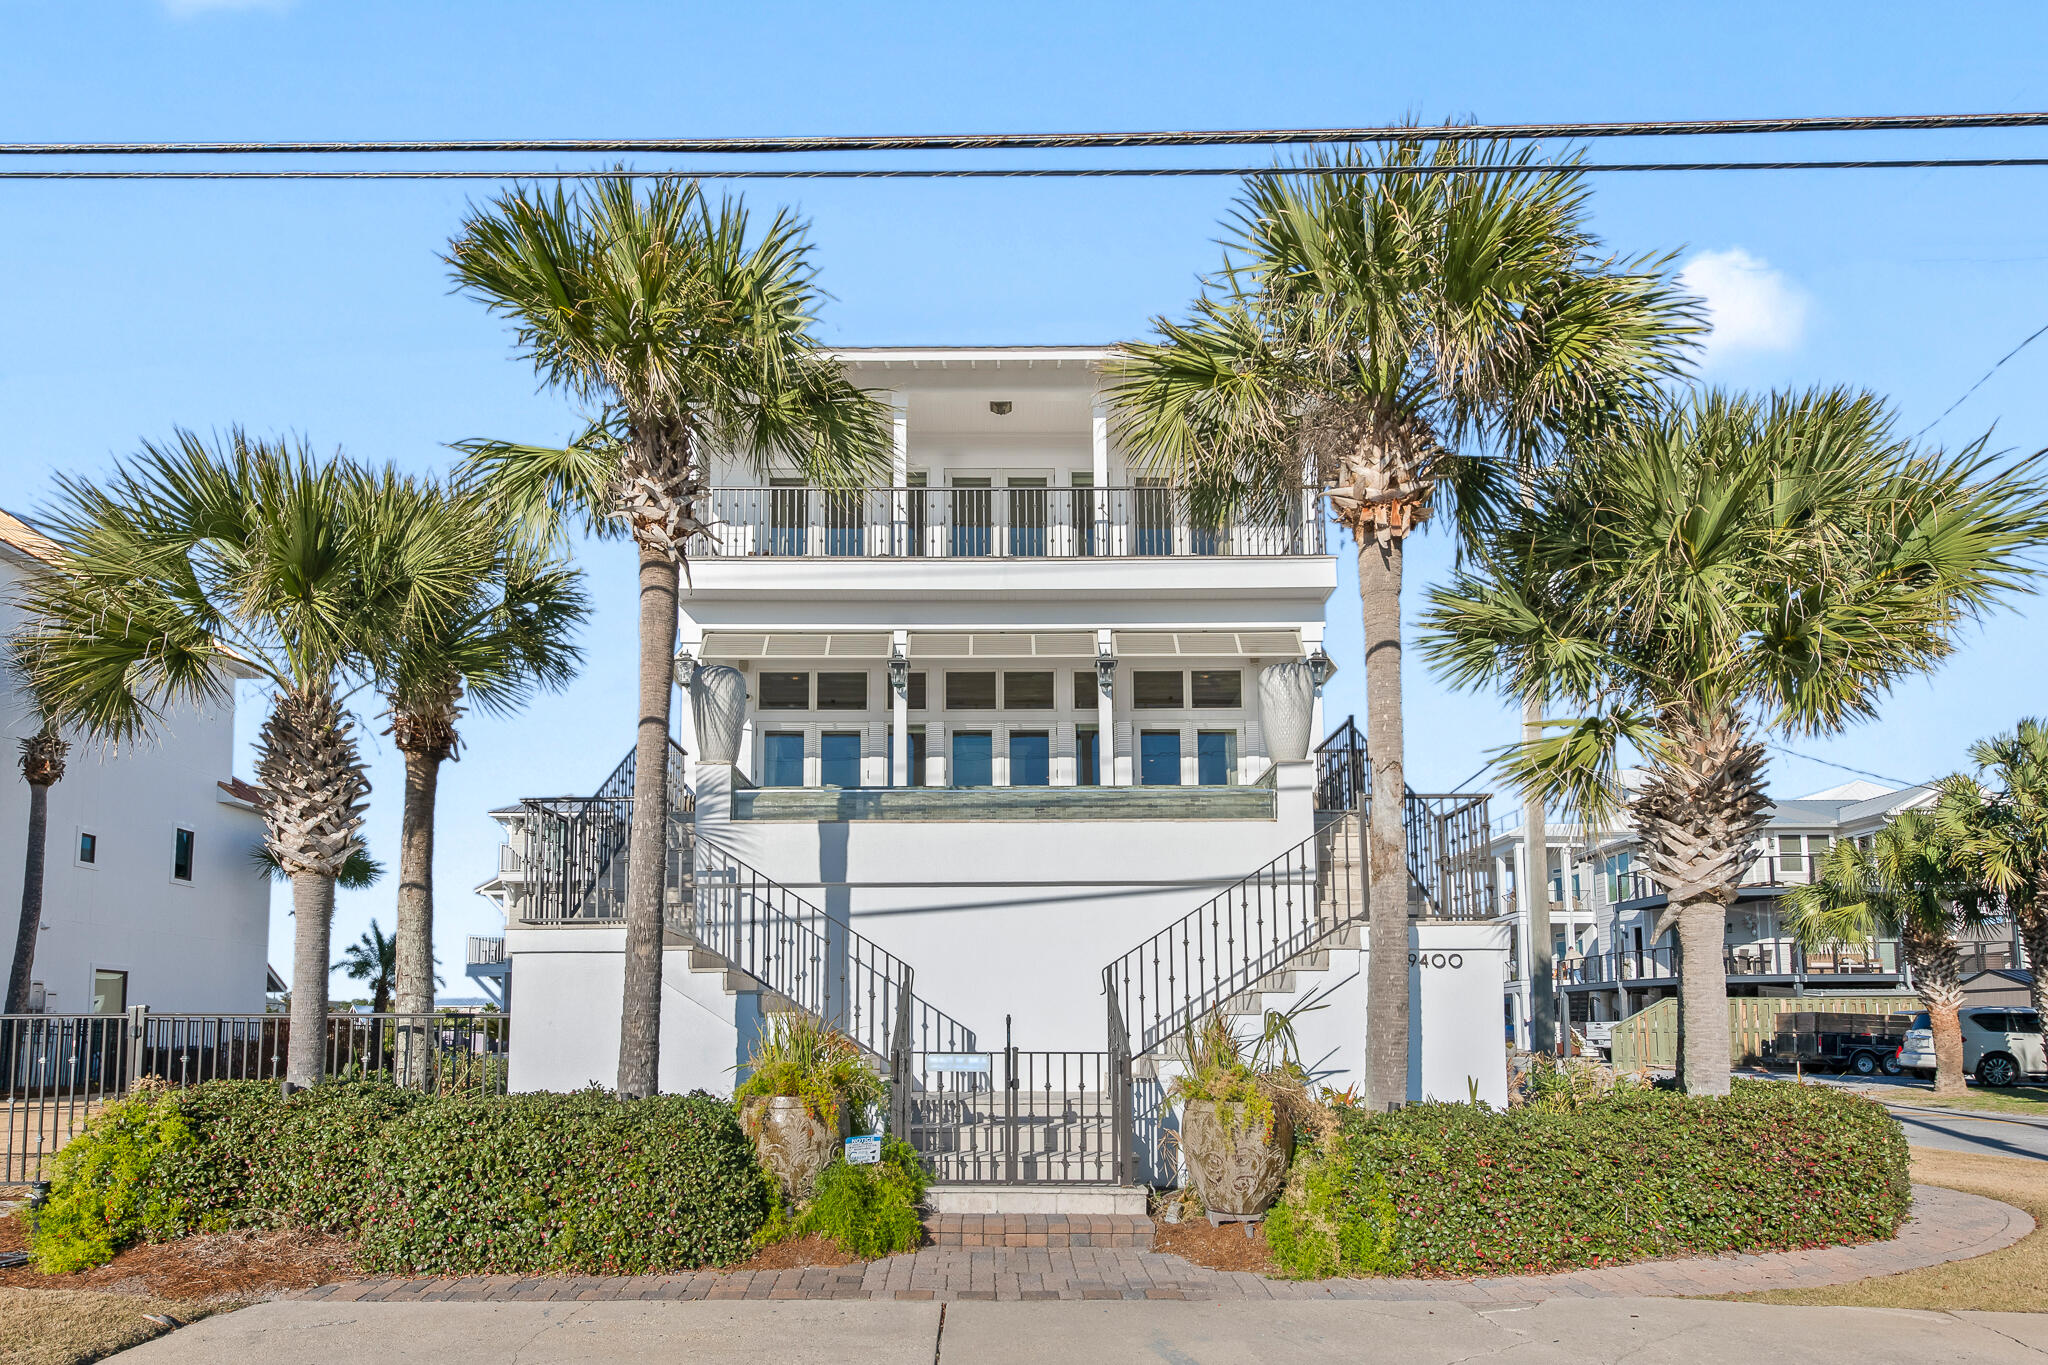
(1560,1331)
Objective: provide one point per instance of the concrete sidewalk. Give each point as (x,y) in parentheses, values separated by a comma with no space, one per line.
(1564,1331)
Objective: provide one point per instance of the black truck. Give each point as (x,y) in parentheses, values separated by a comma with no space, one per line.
(1863,1043)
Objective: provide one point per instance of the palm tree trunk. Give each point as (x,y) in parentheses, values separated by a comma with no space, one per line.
(1536,897)
(2033,926)
(1386,1001)
(31,898)
(1938,976)
(640,1015)
(312,939)
(415,972)
(1703,997)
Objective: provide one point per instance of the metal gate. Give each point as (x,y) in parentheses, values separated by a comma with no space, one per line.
(1016,1117)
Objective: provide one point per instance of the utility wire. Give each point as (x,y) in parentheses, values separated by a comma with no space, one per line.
(1030,172)
(1830,763)
(932,142)
(1980,383)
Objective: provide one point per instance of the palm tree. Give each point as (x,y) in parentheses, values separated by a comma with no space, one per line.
(509,637)
(196,565)
(42,767)
(1379,337)
(373,958)
(1910,885)
(694,335)
(2002,829)
(1693,583)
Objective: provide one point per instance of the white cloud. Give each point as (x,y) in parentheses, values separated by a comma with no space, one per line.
(186,9)
(1750,306)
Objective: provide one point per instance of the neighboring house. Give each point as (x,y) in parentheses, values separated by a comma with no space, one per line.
(1003,741)
(149,895)
(1999,985)
(1611,961)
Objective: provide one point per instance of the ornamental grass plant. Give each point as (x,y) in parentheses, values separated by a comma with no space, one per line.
(801,1057)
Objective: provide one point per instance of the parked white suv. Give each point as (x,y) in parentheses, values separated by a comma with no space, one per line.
(2000,1046)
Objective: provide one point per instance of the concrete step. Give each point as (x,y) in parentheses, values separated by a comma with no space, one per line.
(1070,1201)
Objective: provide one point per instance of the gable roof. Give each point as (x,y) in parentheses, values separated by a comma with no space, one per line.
(19,536)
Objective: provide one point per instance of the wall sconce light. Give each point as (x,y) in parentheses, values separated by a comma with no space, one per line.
(1000,407)
(899,672)
(686,669)
(1105,673)
(1321,667)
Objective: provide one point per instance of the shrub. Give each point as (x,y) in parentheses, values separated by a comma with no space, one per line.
(797,1056)
(101,1195)
(1639,1173)
(1324,1226)
(268,1161)
(551,1183)
(869,1211)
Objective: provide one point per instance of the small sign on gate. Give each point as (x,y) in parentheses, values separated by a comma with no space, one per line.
(864,1149)
(956,1061)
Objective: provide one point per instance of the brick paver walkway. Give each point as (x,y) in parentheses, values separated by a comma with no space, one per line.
(1947,1225)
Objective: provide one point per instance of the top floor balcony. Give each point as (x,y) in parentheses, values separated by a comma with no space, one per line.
(1025,518)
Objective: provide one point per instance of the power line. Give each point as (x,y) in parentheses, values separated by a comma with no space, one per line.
(933,142)
(1830,763)
(1980,383)
(1033,172)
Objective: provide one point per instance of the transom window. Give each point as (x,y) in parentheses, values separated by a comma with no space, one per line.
(970,692)
(785,691)
(1027,691)
(1217,689)
(1157,691)
(842,691)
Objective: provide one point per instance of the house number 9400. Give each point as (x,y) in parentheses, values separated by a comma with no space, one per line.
(1436,959)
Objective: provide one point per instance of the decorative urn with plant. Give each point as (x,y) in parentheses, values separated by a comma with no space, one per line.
(806,1084)
(1238,1102)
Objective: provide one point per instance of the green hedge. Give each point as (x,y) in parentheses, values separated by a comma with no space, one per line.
(550,1183)
(526,1183)
(1453,1189)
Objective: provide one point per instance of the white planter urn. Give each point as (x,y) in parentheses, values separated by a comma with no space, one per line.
(1287,706)
(718,701)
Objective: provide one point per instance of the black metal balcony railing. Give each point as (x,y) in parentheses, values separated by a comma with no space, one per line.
(1000,523)
(1769,869)
(1781,957)
(1448,852)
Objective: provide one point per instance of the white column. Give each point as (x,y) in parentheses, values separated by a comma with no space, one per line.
(899,718)
(935,754)
(899,479)
(1099,437)
(1105,702)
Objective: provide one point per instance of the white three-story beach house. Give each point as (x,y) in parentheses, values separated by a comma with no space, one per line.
(1008,767)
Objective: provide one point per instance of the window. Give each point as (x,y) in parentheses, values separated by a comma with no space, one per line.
(88,847)
(1087,757)
(109,992)
(973,758)
(1215,757)
(918,697)
(1159,757)
(1157,691)
(970,691)
(1218,689)
(785,691)
(839,759)
(782,759)
(842,691)
(2024,1021)
(1030,758)
(1087,691)
(181,856)
(1027,691)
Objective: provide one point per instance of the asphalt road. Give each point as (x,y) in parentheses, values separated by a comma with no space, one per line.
(1952,1130)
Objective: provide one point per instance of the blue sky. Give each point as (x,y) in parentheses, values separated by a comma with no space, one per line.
(322,308)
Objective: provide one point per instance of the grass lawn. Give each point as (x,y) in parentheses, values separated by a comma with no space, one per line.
(2014,1280)
(67,1326)
(2031,1100)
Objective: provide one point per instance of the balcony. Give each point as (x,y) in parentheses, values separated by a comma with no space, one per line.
(1001,523)
(1779,959)
(1767,872)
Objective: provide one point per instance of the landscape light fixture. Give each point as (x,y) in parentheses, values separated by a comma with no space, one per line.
(1000,407)
(1105,673)
(1321,667)
(899,671)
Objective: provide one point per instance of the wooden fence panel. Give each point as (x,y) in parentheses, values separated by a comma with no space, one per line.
(1648,1039)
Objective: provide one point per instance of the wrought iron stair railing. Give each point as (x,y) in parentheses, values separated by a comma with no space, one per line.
(575,846)
(1296,903)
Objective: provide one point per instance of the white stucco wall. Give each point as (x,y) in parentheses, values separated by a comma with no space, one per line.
(186,946)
